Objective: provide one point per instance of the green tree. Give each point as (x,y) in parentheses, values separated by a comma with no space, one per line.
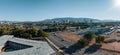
(18,32)
(89,35)
(27,35)
(44,34)
(83,42)
(5,31)
(100,39)
(33,31)
(39,33)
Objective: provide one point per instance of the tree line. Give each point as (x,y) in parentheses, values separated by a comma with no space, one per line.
(89,37)
(22,32)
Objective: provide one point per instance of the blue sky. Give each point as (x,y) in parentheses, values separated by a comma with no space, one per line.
(36,10)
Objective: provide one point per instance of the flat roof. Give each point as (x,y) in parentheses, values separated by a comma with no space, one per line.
(39,47)
(4,39)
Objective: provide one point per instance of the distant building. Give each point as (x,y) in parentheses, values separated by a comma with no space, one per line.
(100,30)
(118,30)
(42,27)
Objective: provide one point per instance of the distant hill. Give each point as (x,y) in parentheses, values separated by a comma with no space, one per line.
(66,19)
(69,19)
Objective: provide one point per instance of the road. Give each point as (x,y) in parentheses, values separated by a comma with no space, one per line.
(60,42)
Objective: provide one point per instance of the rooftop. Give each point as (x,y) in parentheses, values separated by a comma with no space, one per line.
(38,47)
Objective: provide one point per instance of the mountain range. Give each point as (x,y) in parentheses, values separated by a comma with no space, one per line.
(69,19)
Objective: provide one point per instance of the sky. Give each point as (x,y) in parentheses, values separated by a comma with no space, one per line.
(37,10)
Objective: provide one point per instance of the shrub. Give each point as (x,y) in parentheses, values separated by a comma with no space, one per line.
(100,39)
(83,42)
(89,35)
